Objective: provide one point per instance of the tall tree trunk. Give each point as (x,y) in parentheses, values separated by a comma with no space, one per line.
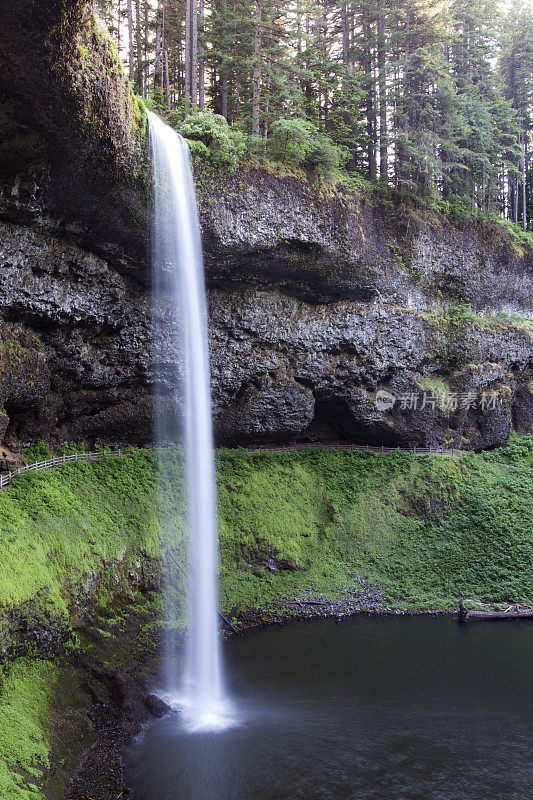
(201,61)
(370,107)
(308,89)
(187,59)
(119,14)
(146,70)
(138,48)
(131,57)
(157,58)
(256,90)
(224,75)
(225,93)
(324,47)
(524,182)
(163,46)
(298,27)
(345,41)
(382,72)
(516,194)
(266,102)
(194,53)
(167,87)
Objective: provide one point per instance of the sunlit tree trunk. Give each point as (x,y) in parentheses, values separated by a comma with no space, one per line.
(256,90)
(194,53)
(131,57)
(187,59)
(138,49)
(201,62)
(157,59)
(382,77)
(146,70)
(167,86)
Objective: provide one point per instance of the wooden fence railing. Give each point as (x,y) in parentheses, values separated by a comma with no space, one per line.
(58,461)
(440,450)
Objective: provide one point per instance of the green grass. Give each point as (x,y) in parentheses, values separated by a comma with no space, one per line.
(59,526)
(24,729)
(426,528)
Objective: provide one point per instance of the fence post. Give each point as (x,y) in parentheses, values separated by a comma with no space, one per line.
(414,449)
(118,451)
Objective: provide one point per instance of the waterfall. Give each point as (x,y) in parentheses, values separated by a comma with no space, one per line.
(180,305)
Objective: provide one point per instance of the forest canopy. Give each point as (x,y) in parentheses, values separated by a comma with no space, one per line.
(431,97)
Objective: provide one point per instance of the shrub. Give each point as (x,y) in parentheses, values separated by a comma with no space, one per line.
(289,140)
(156,102)
(38,451)
(456,208)
(323,155)
(210,137)
(298,142)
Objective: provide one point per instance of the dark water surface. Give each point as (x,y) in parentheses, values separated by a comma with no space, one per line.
(369,709)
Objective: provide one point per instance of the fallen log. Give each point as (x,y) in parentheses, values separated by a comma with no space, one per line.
(500,614)
(513,612)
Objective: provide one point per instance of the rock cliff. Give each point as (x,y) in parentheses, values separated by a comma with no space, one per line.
(333,314)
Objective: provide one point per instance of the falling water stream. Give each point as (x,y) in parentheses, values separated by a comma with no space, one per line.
(410,709)
(178,286)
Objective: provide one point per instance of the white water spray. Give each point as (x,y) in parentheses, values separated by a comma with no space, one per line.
(177,272)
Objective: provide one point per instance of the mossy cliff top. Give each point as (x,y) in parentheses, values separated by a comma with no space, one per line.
(323,241)
(74,132)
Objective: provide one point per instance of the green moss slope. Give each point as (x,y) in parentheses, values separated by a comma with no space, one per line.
(428,529)
(24,731)
(425,528)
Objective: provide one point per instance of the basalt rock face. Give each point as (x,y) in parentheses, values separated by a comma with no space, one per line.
(282,368)
(370,373)
(265,231)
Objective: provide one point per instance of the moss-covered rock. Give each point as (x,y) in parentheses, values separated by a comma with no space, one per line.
(75,131)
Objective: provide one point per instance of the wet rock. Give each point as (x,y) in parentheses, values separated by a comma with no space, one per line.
(523,408)
(156,707)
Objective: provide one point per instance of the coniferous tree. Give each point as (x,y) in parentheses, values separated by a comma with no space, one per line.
(408,88)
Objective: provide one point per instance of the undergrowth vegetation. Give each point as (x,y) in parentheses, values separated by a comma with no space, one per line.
(24,708)
(427,529)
